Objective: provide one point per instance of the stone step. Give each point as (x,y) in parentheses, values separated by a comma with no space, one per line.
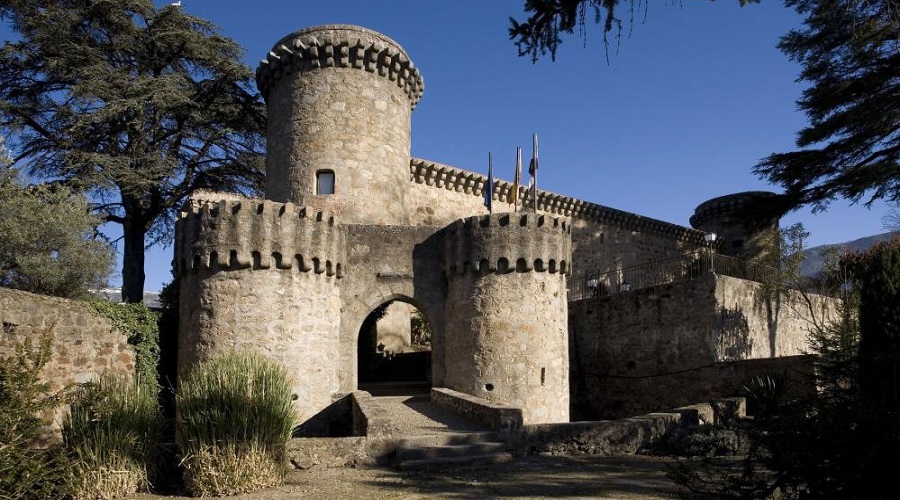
(448,451)
(448,439)
(455,462)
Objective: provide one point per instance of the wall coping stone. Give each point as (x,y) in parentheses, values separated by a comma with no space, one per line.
(438,175)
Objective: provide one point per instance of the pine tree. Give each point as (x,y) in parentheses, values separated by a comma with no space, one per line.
(137,106)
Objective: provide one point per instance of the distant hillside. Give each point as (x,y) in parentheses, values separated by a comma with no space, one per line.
(814,258)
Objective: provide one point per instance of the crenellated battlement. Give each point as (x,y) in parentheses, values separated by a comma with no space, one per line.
(241,233)
(725,206)
(459,180)
(340,46)
(507,242)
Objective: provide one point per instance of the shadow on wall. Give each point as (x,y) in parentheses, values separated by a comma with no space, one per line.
(733,342)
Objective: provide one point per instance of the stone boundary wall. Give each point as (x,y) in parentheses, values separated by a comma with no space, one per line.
(665,346)
(493,416)
(625,436)
(369,418)
(85,345)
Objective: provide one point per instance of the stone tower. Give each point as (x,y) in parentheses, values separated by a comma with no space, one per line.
(506,312)
(734,238)
(262,276)
(339,101)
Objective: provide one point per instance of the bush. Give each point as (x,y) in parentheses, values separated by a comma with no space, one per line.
(50,244)
(112,436)
(25,471)
(235,417)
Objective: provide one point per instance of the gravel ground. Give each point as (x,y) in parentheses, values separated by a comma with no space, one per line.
(556,477)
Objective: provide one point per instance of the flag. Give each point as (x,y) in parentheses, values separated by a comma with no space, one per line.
(489,185)
(514,192)
(532,170)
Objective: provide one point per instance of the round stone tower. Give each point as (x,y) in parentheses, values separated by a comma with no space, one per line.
(506,333)
(262,276)
(733,237)
(339,101)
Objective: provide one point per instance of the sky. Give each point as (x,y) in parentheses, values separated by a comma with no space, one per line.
(695,94)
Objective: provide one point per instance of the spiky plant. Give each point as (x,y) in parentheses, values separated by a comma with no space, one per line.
(235,417)
(112,435)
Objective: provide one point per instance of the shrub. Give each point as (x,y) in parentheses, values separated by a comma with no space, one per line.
(112,437)
(235,417)
(25,471)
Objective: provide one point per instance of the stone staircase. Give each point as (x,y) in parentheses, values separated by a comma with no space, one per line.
(430,437)
(462,449)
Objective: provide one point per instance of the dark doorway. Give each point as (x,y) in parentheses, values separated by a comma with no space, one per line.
(394,351)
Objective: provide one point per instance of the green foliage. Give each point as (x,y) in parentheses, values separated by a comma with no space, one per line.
(851,147)
(49,244)
(420,329)
(141,326)
(765,393)
(540,33)
(112,437)
(25,472)
(839,443)
(235,417)
(138,105)
(878,273)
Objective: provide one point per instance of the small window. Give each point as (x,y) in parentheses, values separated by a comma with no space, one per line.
(325,182)
(737,244)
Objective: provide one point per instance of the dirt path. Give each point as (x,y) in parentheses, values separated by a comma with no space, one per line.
(566,477)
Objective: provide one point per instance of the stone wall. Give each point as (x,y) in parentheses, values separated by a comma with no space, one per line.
(603,239)
(262,276)
(85,345)
(339,98)
(506,312)
(686,341)
(388,263)
(395,329)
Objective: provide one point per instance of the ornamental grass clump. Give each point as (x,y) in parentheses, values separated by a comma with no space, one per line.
(112,436)
(235,417)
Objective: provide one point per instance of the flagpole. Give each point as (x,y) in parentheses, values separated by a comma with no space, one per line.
(489,185)
(515,189)
(534,170)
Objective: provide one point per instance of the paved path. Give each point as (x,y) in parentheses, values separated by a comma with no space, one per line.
(417,416)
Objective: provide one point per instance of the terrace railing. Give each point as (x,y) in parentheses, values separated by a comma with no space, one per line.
(659,272)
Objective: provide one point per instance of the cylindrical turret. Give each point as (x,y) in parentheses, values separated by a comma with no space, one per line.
(262,276)
(339,101)
(506,312)
(754,242)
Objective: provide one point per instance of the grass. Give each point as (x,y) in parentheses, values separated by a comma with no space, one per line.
(112,436)
(235,417)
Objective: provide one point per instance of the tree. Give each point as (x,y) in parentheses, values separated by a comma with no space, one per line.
(540,33)
(850,54)
(49,244)
(137,106)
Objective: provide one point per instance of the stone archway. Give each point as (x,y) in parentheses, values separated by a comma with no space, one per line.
(393,352)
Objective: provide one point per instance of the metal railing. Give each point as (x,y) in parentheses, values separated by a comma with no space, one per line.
(659,272)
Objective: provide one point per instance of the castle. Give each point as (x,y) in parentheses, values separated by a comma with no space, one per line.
(351,222)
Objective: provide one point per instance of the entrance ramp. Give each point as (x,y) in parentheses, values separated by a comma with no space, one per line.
(431,437)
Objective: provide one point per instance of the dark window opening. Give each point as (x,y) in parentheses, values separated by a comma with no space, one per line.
(325,182)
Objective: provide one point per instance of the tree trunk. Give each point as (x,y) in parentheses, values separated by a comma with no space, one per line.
(133,262)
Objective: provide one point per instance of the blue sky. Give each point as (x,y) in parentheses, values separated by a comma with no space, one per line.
(686,106)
